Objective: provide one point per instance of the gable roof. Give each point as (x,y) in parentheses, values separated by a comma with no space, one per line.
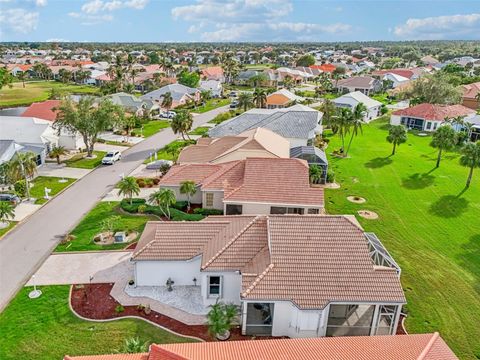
(406,73)
(177,91)
(297,121)
(470,91)
(309,260)
(43,110)
(282,97)
(357,97)
(434,112)
(366,82)
(214,149)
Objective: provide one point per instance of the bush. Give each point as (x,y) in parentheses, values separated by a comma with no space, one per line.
(176,214)
(180,205)
(20,188)
(207,212)
(141,209)
(330,176)
(119,309)
(133,208)
(156,181)
(141,182)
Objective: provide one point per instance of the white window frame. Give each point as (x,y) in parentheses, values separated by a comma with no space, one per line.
(207,195)
(220,290)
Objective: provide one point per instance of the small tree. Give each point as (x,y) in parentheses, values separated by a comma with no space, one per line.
(56,152)
(7,211)
(133,346)
(167,100)
(259,97)
(470,158)
(315,173)
(220,319)
(128,186)
(164,199)
(444,138)
(245,100)
(22,166)
(188,188)
(356,122)
(396,135)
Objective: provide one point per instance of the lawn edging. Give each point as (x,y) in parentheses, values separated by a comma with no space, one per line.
(125,317)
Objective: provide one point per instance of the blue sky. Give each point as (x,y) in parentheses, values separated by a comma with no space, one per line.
(237,20)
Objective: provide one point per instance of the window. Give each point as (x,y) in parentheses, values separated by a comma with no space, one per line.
(299,211)
(233,209)
(429,125)
(435,126)
(276,210)
(209,199)
(214,286)
(314,211)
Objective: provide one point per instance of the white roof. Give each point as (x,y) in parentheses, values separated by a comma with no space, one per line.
(356,97)
(396,77)
(27,130)
(294,72)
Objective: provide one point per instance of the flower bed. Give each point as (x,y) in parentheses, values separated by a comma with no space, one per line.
(175,213)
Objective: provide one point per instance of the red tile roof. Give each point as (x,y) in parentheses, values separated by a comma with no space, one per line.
(397,347)
(43,110)
(406,73)
(212,72)
(434,112)
(470,91)
(324,67)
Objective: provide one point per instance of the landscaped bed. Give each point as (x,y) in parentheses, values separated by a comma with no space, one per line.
(429,223)
(41,182)
(46,329)
(83,162)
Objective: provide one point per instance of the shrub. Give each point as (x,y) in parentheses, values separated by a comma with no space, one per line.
(133,208)
(119,309)
(148,182)
(207,212)
(330,176)
(20,188)
(176,214)
(141,183)
(181,205)
(156,181)
(141,209)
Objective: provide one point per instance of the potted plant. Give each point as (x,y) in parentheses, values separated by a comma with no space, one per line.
(220,319)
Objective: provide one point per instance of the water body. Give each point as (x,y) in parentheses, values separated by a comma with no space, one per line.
(17,111)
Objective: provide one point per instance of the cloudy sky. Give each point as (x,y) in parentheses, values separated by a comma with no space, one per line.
(237,20)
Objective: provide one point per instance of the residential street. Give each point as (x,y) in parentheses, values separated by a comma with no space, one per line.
(24,249)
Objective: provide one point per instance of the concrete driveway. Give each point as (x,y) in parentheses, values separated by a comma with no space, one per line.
(77,268)
(55,170)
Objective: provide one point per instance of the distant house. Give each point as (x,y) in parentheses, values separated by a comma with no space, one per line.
(429,60)
(258,142)
(298,124)
(213,73)
(352,99)
(474,126)
(132,104)
(250,186)
(281,99)
(214,86)
(428,117)
(313,156)
(244,77)
(364,84)
(181,94)
(470,95)
(328,68)
(295,276)
(396,80)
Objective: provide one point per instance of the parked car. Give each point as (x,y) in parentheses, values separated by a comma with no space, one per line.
(111,157)
(168,114)
(232,94)
(234,104)
(11,198)
(155,165)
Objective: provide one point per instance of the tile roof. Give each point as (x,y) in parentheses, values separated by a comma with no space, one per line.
(470,91)
(245,180)
(324,67)
(212,150)
(212,72)
(435,112)
(366,82)
(43,110)
(407,73)
(309,260)
(144,356)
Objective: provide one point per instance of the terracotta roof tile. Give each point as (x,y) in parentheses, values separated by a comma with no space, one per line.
(435,112)
(113,357)
(470,91)
(43,110)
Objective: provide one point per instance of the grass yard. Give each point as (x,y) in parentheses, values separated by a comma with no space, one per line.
(41,182)
(383,98)
(330,96)
(45,329)
(202,130)
(152,127)
(91,225)
(428,222)
(210,105)
(38,91)
(80,161)
(11,224)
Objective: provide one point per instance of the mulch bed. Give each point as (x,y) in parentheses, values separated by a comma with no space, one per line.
(132,246)
(93,301)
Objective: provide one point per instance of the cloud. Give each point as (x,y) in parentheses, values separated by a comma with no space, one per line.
(249,20)
(91,19)
(41,2)
(96,6)
(18,20)
(440,27)
(57,40)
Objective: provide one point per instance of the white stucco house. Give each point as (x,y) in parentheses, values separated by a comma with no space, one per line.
(214,86)
(296,276)
(351,100)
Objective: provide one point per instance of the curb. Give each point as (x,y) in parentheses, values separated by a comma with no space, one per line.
(126,317)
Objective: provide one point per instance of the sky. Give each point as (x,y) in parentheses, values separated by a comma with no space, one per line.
(238,20)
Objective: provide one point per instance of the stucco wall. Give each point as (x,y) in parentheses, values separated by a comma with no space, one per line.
(217,200)
(294,142)
(195,199)
(395,120)
(290,321)
(156,273)
(259,208)
(231,287)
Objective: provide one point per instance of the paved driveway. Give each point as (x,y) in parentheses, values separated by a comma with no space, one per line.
(77,268)
(56,170)
(29,244)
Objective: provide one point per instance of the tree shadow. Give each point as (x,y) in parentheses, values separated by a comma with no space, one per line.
(378,162)
(469,258)
(418,181)
(385,126)
(449,206)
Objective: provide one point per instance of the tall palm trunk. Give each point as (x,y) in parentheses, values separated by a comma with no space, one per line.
(349,143)
(394,147)
(469,179)
(439,157)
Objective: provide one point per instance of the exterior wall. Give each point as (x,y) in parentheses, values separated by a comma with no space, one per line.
(249,208)
(372,113)
(217,199)
(294,142)
(470,103)
(395,120)
(195,199)
(156,273)
(231,286)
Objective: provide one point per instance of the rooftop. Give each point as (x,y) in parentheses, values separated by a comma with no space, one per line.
(434,112)
(43,110)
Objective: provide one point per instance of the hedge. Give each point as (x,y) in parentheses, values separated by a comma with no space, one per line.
(175,214)
(207,212)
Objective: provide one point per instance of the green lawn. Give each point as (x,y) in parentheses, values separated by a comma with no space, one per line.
(211,104)
(428,222)
(46,329)
(41,182)
(91,225)
(11,224)
(80,161)
(202,130)
(152,127)
(330,96)
(383,98)
(38,91)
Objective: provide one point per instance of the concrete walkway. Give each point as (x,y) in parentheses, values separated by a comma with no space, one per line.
(24,210)
(28,245)
(77,268)
(61,170)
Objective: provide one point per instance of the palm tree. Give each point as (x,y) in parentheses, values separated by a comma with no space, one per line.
(163,198)
(23,166)
(444,138)
(167,100)
(315,173)
(182,123)
(341,124)
(356,122)
(22,76)
(128,186)
(220,319)
(259,98)
(7,211)
(338,74)
(328,109)
(56,152)
(245,100)
(133,346)
(470,158)
(397,135)
(288,82)
(188,188)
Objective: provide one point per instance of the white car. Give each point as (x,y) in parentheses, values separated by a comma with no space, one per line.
(111,157)
(168,114)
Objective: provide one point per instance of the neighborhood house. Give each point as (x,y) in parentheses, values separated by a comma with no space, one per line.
(352,99)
